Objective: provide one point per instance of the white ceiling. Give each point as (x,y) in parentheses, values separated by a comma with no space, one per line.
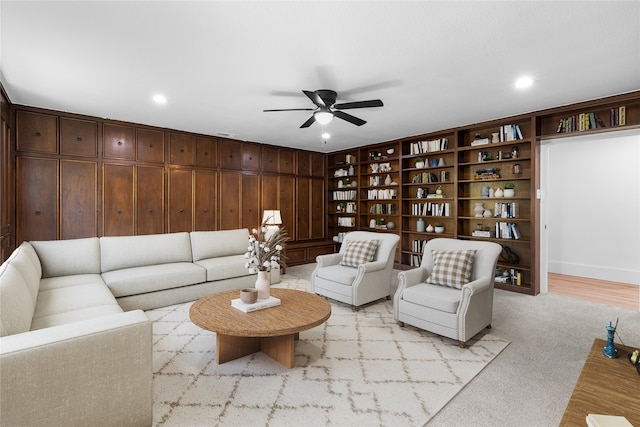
(435,65)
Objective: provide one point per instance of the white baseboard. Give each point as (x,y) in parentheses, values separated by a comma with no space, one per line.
(631,277)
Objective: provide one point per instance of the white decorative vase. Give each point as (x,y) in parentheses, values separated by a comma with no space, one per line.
(498,192)
(419,165)
(263,285)
(439,230)
(478,210)
(430,228)
(387,180)
(509,192)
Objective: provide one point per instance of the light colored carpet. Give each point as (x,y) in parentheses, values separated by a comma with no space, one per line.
(359,368)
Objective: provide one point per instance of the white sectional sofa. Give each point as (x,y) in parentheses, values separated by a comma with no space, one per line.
(75,345)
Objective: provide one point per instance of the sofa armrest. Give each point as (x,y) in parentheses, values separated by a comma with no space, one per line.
(93,372)
(328,259)
(370,267)
(411,277)
(479,285)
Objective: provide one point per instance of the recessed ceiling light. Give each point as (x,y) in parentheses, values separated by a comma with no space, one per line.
(326,135)
(160,99)
(524,82)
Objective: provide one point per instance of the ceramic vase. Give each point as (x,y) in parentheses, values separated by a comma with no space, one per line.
(509,192)
(479,209)
(420,225)
(429,228)
(263,285)
(439,230)
(387,180)
(499,192)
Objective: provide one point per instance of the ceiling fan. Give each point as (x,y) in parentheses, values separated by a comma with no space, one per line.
(327,109)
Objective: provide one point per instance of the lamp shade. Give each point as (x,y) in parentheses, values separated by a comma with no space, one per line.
(271,217)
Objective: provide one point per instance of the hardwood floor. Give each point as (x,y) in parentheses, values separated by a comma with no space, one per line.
(612,293)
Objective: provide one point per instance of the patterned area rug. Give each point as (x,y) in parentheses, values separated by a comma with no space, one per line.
(359,368)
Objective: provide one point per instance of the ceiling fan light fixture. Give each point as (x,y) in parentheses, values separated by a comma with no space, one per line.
(323,116)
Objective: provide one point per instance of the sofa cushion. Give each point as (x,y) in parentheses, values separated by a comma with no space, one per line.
(71,298)
(75,316)
(25,259)
(358,252)
(225,267)
(16,303)
(338,273)
(452,268)
(65,281)
(137,251)
(139,280)
(432,296)
(67,257)
(214,244)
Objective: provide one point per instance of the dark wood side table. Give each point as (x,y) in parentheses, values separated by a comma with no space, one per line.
(605,386)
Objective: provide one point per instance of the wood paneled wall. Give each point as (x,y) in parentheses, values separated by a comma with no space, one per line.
(78,176)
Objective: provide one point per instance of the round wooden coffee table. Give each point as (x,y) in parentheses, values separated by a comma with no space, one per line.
(271,330)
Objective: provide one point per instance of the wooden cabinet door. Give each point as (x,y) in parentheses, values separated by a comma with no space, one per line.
(78,199)
(36,199)
(149,199)
(230,154)
(286,196)
(251,213)
(182,149)
(286,161)
(78,137)
(206,152)
(118,142)
(206,192)
(317,208)
(304,163)
(250,156)
(269,159)
(118,201)
(317,165)
(180,200)
(36,132)
(230,190)
(149,145)
(303,203)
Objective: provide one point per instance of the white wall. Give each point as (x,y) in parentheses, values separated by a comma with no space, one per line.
(591,202)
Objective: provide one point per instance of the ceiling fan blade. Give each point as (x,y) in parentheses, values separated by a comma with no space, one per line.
(359,104)
(308,122)
(290,109)
(348,117)
(315,98)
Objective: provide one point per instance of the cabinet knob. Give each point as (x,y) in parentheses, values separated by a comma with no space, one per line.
(119,142)
(119,211)
(181,210)
(79,139)
(150,145)
(206,153)
(206,210)
(150,210)
(37,213)
(38,134)
(182,150)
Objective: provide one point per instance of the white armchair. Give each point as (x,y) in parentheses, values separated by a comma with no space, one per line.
(458,309)
(362,282)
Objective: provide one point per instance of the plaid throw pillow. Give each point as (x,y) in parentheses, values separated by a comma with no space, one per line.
(358,252)
(452,268)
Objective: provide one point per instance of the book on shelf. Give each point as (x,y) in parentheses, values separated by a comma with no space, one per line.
(421,147)
(510,133)
(598,420)
(506,210)
(507,230)
(516,277)
(431,209)
(482,233)
(258,305)
(480,141)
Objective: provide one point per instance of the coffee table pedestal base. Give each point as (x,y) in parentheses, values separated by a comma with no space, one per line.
(280,348)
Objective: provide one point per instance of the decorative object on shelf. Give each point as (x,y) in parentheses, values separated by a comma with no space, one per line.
(515,152)
(434,163)
(388,180)
(420,226)
(352,170)
(374,167)
(354,183)
(516,170)
(492,192)
(340,184)
(609,350)
(248,295)
(385,167)
(441,161)
(484,191)
(390,150)
(487,213)
(429,228)
(391,225)
(439,227)
(439,190)
(495,137)
(372,223)
(479,209)
(499,192)
(419,162)
(509,189)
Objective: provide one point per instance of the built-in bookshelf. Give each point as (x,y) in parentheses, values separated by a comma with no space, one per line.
(478,181)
